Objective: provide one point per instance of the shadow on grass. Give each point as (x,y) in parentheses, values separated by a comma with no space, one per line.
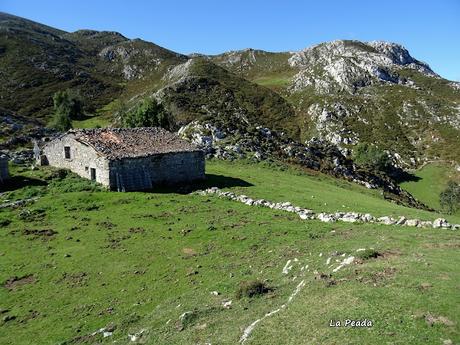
(18,182)
(211,180)
(399,176)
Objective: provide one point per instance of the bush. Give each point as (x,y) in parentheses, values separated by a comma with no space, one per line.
(251,289)
(372,157)
(67,106)
(368,254)
(450,198)
(149,113)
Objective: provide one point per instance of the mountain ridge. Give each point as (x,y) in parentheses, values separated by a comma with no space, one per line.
(343,91)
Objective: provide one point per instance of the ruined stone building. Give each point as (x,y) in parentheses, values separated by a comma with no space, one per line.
(126,159)
(4,173)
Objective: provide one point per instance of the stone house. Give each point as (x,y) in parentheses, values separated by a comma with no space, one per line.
(4,172)
(126,159)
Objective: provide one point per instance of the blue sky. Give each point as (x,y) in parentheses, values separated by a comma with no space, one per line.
(429,29)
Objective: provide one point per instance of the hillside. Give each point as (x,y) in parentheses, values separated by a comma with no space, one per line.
(37,61)
(170,268)
(104,66)
(349,91)
(344,92)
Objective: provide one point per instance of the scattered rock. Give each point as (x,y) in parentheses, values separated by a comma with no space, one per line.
(136,336)
(227,304)
(185,319)
(432,320)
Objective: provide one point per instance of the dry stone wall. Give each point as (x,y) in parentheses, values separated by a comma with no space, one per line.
(349,217)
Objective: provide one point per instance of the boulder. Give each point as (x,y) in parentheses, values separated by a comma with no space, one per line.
(350,217)
(386,220)
(367,218)
(412,222)
(426,224)
(327,218)
(440,223)
(401,221)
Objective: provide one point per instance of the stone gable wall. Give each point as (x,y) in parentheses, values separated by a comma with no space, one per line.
(82,159)
(161,169)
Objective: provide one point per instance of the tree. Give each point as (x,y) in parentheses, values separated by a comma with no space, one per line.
(149,113)
(450,197)
(119,111)
(372,157)
(67,106)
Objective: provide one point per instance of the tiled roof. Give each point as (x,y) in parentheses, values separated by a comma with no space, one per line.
(117,143)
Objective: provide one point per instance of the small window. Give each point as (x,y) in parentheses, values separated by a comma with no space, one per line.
(93,174)
(67,152)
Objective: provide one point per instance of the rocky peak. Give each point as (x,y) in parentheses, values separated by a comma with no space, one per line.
(244,58)
(395,52)
(348,65)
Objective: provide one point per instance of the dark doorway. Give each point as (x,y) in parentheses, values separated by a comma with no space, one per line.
(93,174)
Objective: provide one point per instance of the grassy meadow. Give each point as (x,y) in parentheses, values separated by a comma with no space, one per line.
(81,258)
(431,181)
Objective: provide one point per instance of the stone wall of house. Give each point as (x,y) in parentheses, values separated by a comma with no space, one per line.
(4,173)
(161,169)
(82,159)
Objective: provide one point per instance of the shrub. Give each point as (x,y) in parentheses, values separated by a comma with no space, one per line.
(372,157)
(149,113)
(450,198)
(67,106)
(368,254)
(251,289)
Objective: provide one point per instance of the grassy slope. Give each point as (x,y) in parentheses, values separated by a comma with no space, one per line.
(189,245)
(317,192)
(432,181)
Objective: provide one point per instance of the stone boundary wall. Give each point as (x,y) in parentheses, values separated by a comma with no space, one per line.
(349,217)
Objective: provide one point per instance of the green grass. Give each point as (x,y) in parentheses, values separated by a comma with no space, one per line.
(140,260)
(432,181)
(273,81)
(92,122)
(316,191)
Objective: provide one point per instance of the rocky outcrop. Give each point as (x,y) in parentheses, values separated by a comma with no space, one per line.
(348,65)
